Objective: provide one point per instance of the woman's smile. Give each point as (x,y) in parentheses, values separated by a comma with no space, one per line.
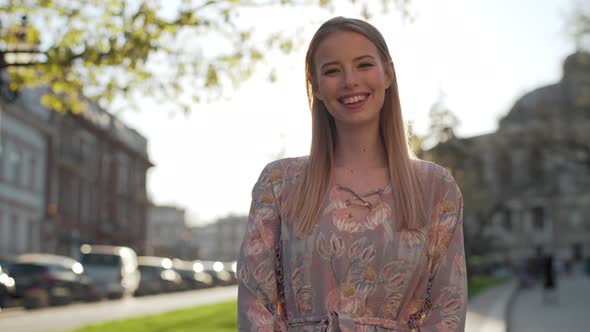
(354,101)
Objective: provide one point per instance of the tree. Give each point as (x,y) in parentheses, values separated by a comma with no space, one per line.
(106,50)
(579,22)
(443,122)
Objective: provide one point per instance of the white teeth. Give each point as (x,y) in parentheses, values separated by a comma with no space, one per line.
(352,100)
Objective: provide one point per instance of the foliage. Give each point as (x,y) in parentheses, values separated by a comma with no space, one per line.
(580,25)
(216,317)
(179,52)
(479,283)
(443,122)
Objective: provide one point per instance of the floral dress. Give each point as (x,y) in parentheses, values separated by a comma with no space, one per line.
(352,273)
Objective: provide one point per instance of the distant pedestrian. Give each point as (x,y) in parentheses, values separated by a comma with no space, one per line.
(567,266)
(549,279)
(360,235)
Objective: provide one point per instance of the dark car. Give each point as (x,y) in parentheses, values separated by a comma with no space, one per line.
(44,279)
(6,287)
(157,276)
(216,270)
(192,278)
(232,269)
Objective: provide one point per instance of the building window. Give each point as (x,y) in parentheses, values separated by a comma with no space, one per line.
(536,170)
(122,174)
(504,169)
(35,187)
(507,220)
(106,168)
(33,235)
(24,180)
(3,230)
(14,237)
(538,218)
(2,156)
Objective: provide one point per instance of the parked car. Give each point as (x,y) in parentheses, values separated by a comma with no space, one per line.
(216,270)
(113,269)
(45,279)
(192,277)
(6,288)
(232,269)
(157,276)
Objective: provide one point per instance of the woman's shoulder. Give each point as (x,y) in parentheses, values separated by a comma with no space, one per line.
(428,170)
(286,168)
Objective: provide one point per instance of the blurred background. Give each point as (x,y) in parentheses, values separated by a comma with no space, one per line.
(132,132)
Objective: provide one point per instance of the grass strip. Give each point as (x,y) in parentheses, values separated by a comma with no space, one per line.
(219,317)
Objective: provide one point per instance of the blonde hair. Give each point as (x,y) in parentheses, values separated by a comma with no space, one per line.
(304,207)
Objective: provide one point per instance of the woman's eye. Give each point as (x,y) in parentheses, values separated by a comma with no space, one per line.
(365,65)
(330,71)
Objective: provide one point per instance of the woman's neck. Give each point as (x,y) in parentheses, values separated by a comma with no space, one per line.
(359,148)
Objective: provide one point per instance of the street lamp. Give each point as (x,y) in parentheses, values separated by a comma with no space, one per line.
(21,53)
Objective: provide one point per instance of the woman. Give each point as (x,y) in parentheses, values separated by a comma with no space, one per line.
(358,236)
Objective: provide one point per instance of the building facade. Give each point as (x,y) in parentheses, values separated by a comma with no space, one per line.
(69,179)
(527,185)
(221,240)
(168,235)
(24,143)
(98,193)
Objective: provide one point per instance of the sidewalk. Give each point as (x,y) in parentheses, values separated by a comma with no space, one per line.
(569,314)
(66,318)
(487,311)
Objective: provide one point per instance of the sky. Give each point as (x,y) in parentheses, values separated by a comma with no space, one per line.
(483,55)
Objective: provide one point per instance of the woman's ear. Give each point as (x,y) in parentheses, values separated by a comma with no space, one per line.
(389,73)
(314,86)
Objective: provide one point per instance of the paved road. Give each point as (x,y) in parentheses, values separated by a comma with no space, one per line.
(569,314)
(72,316)
(487,311)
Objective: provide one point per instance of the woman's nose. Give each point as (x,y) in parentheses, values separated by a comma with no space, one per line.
(350,78)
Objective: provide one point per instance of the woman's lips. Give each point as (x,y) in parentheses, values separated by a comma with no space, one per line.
(354,104)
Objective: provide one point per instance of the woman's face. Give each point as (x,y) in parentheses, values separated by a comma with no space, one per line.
(350,78)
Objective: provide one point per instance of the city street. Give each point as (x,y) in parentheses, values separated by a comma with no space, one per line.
(72,316)
(568,314)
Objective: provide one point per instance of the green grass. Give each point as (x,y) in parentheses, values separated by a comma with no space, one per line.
(220,317)
(479,283)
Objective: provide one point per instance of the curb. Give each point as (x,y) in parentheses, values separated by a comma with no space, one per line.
(491,313)
(510,308)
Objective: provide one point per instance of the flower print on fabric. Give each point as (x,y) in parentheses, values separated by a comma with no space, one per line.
(355,271)
(301,287)
(342,205)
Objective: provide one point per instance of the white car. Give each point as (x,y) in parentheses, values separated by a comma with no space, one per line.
(113,269)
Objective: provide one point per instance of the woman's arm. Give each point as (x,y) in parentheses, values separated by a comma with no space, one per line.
(257,284)
(448,282)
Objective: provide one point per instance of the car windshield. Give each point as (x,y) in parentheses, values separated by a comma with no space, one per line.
(100,259)
(150,269)
(27,269)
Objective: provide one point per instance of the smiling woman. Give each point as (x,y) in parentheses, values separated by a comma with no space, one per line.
(352,79)
(360,235)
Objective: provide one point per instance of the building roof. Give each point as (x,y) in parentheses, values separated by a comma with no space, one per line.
(553,100)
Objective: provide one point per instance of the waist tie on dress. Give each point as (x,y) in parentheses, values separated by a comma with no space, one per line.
(336,321)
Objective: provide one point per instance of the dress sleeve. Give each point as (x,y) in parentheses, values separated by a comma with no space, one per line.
(446,296)
(257,279)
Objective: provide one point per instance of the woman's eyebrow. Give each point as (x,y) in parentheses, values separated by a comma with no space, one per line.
(355,59)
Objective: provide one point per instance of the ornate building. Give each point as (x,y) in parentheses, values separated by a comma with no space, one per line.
(69,179)
(527,185)
(97,193)
(24,137)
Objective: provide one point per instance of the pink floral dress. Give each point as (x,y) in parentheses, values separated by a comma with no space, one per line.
(352,273)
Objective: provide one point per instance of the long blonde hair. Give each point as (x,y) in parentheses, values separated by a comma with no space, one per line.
(304,207)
